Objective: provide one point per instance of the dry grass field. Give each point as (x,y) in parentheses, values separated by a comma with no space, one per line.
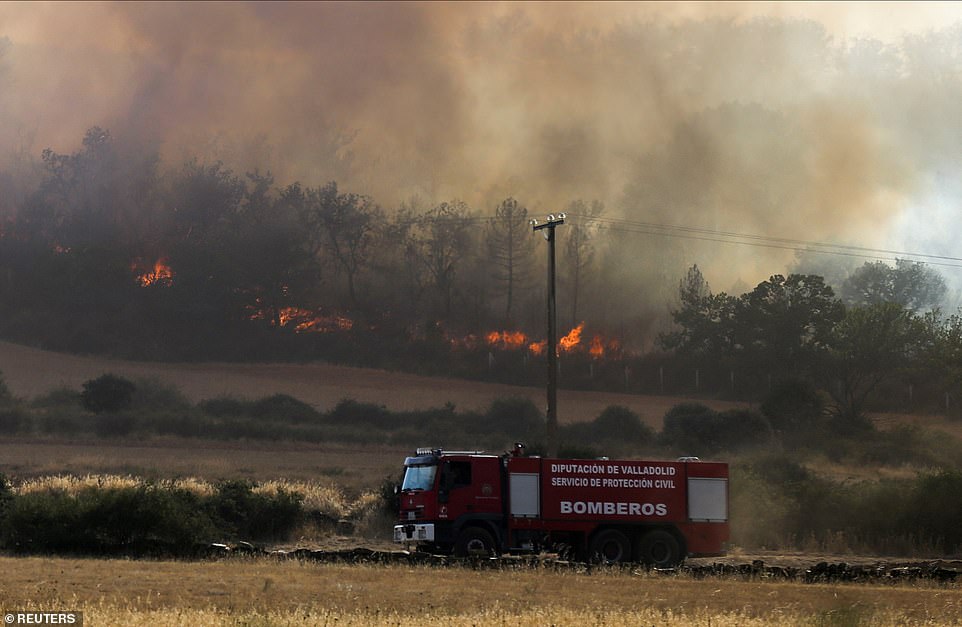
(266,592)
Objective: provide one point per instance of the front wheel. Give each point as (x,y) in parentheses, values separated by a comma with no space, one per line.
(475,542)
(659,548)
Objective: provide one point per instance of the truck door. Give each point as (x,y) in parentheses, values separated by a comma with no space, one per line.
(455,496)
(469,486)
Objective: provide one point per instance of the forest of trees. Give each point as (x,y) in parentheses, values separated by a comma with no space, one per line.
(108,253)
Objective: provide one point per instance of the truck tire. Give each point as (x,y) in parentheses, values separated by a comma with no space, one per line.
(609,546)
(475,542)
(658,548)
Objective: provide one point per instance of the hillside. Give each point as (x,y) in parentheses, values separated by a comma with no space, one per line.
(31,371)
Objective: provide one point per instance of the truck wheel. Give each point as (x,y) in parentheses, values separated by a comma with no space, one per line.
(610,547)
(474,542)
(659,548)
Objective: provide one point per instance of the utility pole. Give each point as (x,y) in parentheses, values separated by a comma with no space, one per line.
(547,229)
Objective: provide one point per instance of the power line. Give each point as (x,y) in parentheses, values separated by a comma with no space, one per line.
(763,241)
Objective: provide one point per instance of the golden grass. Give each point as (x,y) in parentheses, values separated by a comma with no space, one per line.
(354,468)
(267,592)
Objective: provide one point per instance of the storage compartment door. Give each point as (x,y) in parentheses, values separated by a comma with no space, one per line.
(707,499)
(525,501)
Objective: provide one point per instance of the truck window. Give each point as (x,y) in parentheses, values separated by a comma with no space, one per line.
(460,474)
(419,477)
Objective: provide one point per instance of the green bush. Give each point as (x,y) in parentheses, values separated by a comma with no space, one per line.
(107,393)
(694,429)
(114,425)
(283,408)
(515,418)
(146,519)
(13,419)
(152,395)
(246,514)
(60,398)
(620,423)
(793,406)
(351,412)
(224,406)
(5,395)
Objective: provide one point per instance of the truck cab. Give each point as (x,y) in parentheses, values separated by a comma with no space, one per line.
(442,493)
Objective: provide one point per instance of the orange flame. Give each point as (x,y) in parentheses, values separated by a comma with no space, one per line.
(537,348)
(507,339)
(570,342)
(597,348)
(160,274)
(304,320)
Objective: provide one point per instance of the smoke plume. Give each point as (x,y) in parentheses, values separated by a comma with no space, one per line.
(750,118)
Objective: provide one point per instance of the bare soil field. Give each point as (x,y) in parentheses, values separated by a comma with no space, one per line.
(30,371)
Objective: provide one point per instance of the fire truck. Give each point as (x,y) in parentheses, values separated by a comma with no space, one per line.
(470,503)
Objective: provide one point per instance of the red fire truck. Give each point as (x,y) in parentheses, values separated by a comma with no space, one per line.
(472,503)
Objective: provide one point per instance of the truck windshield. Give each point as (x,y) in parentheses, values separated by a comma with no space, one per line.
(419,477)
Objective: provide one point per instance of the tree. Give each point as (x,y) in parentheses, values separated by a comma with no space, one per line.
(441,241)
(508,240)
(786,323)
(348,222)
(579,248)
(706,321)
(909,284)
(872,343)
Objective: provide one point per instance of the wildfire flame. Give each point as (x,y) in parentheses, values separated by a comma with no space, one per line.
(507,339)
(304,320)
(597,348)
(161,274)
(569,342)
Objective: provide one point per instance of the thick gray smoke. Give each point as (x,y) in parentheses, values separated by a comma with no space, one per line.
(728,117)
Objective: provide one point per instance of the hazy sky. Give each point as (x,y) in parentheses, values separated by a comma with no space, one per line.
(818,121)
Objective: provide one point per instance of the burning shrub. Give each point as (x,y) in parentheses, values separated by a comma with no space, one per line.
(107,393)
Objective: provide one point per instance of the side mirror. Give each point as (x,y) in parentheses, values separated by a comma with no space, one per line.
(442,496)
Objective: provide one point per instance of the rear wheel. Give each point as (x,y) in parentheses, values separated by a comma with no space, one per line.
(475,542)
(659,548)
(610,547)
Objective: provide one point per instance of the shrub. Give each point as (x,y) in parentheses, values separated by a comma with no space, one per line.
(152,394)
(617,422)
(5,396)
(12,419)
(349,411)
(694,429)
(691,428)
(283,408)
(107,393)
(516,418)
(247,514)
(793,405)
(60,398)
(113,425)
(224,406)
